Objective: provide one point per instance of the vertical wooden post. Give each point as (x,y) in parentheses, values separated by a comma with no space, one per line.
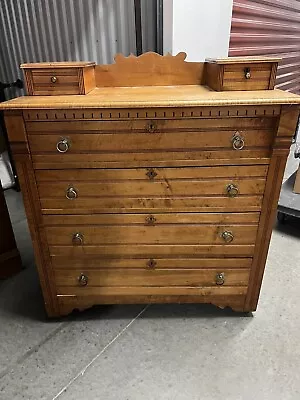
(17,134)
(281,145)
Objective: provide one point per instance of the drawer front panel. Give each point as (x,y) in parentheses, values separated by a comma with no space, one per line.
(56,81)
(162,174)
(149,204)
(47,90)
(60,262)
(156,189)
(160,234)
(152,188)
(153,218)
(151,127)
(150,294)
(187,188)
(153,251)
(166,277)
(134,142)
(155,159)
(259,78)
(113,142)
(63,74)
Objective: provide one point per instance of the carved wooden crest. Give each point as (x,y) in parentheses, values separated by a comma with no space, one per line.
(150,58)
(149,69)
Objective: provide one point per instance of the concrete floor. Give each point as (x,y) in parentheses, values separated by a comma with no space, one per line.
(178,352)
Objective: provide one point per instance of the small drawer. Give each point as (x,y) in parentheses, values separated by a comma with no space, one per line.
(59,78)
(241,73)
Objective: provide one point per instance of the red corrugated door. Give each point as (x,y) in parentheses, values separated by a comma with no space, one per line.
(269,27)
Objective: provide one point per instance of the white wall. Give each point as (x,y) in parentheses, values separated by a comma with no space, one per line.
(201,28)
(168,26)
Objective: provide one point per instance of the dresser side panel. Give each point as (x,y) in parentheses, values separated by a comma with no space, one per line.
(286,128)
(89,79)
(214,76)
(18,140)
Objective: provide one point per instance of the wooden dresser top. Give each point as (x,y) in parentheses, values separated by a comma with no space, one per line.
(59,64)
(156,96)
(151,80)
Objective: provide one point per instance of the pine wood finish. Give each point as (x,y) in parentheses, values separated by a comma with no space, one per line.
(238,73)
(152,187)
(58,78)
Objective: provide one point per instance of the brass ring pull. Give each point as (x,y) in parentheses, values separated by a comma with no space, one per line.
(151,173)
(220,278)
(53,79)
(238,141)
(247,73)
(83,280)
(151,127)
(71,193)
(232,190)
(63,145)
(77,239)
(151,263)
(150,220)
(227,236)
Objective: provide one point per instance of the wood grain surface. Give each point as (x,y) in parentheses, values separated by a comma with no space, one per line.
(165,278)
(155,250)
(156,96)
(61,262)
(150,156)
(230,76)
(157,234)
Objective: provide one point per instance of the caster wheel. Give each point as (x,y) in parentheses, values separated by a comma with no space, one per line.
(281,217)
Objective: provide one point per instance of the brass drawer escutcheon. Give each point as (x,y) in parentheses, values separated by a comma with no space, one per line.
(83,280)
(151,173)
(227,236)
(232,190)
(150,220)
(77,239)
(220,278)
(151,263)
(71,193)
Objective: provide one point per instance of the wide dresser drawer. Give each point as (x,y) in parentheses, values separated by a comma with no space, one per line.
(156,234)
(151,236)
(84,144)
(167,281)
(228,188)
(166,277)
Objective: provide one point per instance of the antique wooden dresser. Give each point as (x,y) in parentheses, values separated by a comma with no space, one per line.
(152,179)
